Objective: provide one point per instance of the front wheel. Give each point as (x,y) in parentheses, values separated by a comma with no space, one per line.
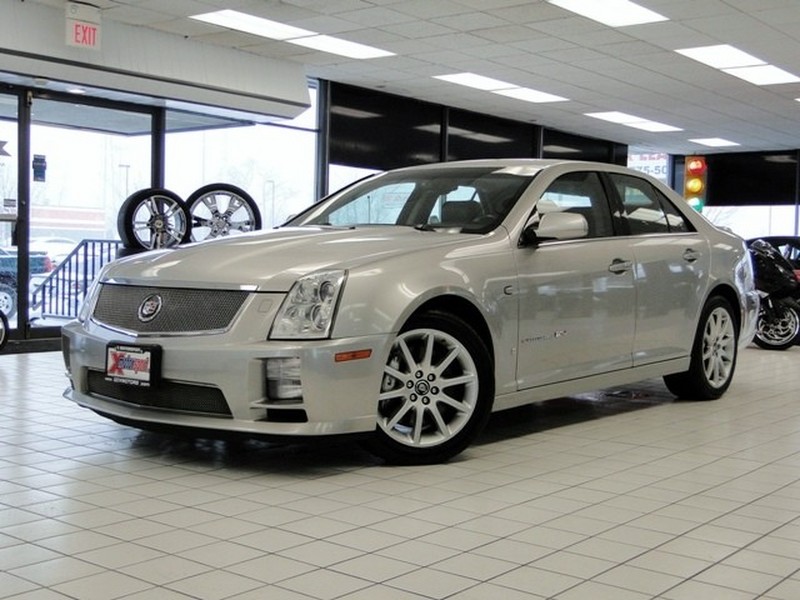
(436,393)
(778,327)
(714,353)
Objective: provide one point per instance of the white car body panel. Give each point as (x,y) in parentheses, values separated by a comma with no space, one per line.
(562,317)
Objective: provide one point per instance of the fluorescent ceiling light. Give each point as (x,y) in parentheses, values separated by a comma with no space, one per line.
(740,64)
(274,30)
(722,56)
(332,45)
(653,126)
(529,95)
(614,117)
(614,13)
(488,84)
(479,82)
(233,19)
(622,118)
(714,142)
(763,75)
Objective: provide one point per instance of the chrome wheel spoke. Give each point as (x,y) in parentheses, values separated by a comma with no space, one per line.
(718,348)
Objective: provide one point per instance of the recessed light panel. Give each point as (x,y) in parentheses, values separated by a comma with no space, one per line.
(622,118)
(614,13)
(713,142)
(763,75)
(740,64)
(529,95)
(333,45)
(721,56)
(274,30)
(233,19)
(488,84)
(479,82)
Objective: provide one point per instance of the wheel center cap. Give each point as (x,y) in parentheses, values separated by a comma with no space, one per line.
(422,387)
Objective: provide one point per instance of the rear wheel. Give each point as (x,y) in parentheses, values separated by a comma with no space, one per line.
(436,392)
(713,355)
(778,327)
(3,330)
(8,300)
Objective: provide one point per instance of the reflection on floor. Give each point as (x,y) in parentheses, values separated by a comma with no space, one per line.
(623,494)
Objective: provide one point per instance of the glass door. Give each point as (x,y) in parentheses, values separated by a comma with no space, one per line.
(9,154)
(86,158)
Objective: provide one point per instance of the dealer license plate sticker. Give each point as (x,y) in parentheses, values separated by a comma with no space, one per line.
(133,365)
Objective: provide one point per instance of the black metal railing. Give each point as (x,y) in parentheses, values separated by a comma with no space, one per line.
(59,293)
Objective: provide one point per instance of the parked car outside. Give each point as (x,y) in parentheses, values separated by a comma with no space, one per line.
(39,264)
(409,306)
(57,248)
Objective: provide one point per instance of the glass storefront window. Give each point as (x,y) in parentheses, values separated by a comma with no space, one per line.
(273,163)
(86,161)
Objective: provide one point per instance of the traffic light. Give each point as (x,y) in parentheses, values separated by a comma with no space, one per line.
(694,181)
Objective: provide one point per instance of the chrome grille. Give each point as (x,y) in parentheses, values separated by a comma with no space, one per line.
(183,310)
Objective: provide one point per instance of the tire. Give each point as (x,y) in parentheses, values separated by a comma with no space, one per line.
(8,300)
(220,209)
(436,394)
(714,354)
(153,218)
(3,330)
(779,332)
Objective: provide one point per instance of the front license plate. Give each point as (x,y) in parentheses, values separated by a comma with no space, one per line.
(133,365)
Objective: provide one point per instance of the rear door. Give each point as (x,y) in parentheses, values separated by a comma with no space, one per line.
(671,268)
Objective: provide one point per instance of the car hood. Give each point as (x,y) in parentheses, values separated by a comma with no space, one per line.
(272,261)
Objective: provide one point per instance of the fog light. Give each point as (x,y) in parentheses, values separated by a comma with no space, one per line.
(283,379)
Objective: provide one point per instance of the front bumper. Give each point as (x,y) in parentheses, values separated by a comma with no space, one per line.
(337,397)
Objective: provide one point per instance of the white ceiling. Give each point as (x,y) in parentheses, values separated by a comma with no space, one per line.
(534,44)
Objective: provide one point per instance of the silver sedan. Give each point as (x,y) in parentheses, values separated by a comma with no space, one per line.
(411,305)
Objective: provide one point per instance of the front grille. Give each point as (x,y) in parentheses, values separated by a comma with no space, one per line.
(182,310)
(168,395)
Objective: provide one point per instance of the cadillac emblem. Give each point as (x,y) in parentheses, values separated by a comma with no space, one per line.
(149,308)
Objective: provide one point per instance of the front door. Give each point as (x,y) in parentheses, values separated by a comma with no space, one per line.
(577,297)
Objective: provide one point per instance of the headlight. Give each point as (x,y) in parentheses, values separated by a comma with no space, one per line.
(308,310)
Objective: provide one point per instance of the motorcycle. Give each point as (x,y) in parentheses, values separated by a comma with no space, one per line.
(778,326)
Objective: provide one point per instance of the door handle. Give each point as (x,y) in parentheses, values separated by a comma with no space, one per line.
(690,255)
(619,265)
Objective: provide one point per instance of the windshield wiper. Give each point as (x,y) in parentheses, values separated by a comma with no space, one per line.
(424,227)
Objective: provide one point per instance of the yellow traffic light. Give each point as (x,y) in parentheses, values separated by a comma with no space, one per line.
(694,181)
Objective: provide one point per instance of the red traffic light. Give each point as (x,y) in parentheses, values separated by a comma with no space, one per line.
(696,166)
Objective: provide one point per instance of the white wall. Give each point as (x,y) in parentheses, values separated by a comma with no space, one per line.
(148,62)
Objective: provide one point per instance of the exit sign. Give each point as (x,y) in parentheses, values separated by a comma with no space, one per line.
(83,25)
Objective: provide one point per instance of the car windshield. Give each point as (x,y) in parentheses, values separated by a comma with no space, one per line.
(466,199)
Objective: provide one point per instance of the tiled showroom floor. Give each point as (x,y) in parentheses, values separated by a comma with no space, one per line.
(622,495)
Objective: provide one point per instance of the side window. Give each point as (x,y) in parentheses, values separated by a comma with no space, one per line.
(580,193)
(646,209)
(381,206)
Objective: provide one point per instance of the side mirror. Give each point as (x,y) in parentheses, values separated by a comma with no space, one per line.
(555,226)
